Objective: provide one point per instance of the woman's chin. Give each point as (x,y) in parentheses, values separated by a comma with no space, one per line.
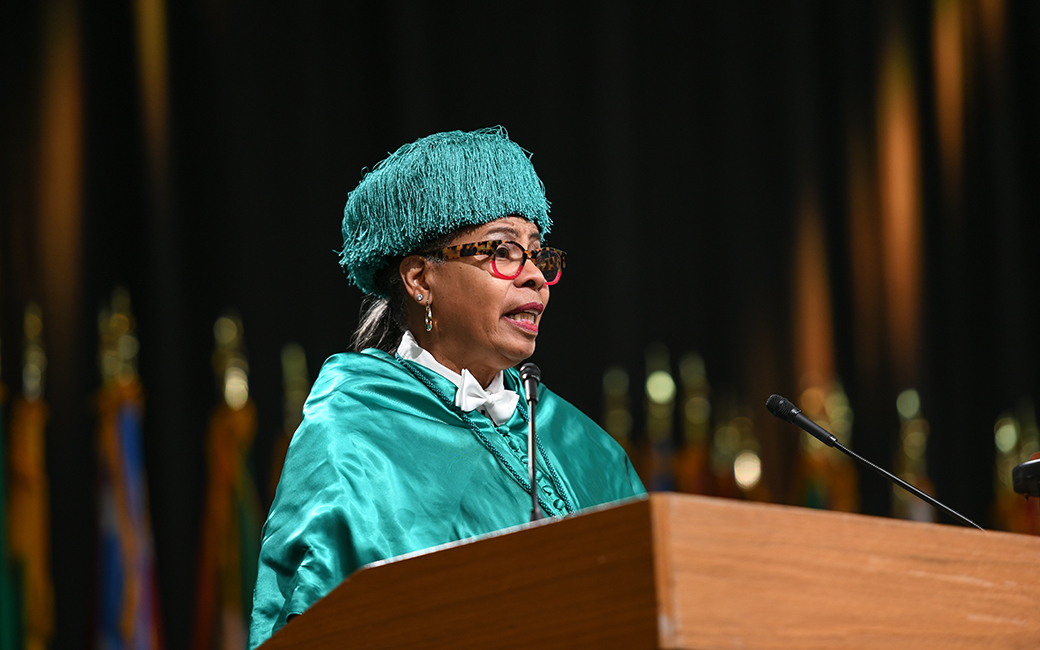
(518,351)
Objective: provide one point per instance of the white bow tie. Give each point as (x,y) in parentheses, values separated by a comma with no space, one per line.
(498,405)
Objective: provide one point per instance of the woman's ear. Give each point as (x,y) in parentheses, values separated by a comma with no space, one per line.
(413,274)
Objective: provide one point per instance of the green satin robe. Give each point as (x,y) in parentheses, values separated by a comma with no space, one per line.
(384,464)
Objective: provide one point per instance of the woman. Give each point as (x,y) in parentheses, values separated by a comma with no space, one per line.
(418,438)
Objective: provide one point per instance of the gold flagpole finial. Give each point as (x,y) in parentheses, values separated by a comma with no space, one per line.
(34,360)
(117,356)
(229,360)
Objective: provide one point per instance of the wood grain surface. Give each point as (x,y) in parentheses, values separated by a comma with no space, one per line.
(753,576)
(686,572)
(582,582)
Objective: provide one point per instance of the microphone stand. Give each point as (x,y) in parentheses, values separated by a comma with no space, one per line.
(906,486)
(530,375)
(536,512)
(785,410)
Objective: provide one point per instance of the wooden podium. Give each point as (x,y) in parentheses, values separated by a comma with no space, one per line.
(679,571)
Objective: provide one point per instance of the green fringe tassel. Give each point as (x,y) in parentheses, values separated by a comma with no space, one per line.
(432,187)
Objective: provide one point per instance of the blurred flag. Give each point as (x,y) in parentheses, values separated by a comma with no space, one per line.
(29,524)
(911,462)
(824,478)
(617,414)
(28,499)
(296,386)
(230,541)
(9,618)
(128,603)
(693,471)
(660,419)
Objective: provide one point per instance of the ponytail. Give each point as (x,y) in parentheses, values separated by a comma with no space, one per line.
(378,328)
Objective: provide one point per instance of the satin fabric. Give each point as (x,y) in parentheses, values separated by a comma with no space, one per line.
(385,464)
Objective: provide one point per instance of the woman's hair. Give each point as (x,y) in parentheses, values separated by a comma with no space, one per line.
(383,320)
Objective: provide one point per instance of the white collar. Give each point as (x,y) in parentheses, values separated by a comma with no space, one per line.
(494,401)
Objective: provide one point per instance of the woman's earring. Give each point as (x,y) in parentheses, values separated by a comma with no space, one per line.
(429,318)
(418,297)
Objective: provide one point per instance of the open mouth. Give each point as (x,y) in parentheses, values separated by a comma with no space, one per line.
(525,316)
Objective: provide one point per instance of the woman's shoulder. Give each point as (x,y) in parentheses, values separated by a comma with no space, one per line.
(349,388)
(349,368)
(374,378)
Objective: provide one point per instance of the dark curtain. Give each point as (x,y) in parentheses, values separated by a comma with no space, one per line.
(675,141)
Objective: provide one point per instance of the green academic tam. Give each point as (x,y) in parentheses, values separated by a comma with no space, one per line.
(384,464)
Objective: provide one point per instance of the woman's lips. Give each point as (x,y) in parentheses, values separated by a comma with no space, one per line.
(525,316)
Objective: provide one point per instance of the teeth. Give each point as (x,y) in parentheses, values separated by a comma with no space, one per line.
(523,315)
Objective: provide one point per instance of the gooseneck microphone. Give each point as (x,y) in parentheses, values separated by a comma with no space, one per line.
(785,410)
(530,375)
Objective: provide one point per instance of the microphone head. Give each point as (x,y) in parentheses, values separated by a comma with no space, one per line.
(530,371)
(781,408)
(1026,477)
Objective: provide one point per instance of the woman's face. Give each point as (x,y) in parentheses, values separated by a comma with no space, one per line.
(482,322)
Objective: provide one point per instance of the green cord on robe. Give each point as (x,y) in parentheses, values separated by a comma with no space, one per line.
(382,466)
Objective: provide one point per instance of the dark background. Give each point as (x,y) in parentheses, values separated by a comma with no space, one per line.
(676,142)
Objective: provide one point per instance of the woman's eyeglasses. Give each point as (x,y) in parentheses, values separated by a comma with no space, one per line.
(508,258)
